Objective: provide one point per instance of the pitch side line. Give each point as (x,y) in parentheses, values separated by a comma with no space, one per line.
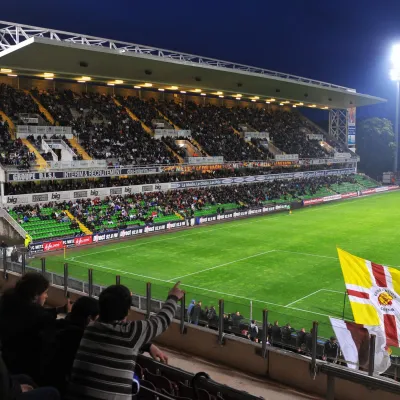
(306,254)
(221,265)
(309,295)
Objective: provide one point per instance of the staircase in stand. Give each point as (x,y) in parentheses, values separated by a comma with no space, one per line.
(10,124)
(82,227)
(39,159)
(181,160)
(41,108)
(167,119)
(134,117)
(79,149)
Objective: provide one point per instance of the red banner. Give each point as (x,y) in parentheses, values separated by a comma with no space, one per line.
(51,246)
(81,241)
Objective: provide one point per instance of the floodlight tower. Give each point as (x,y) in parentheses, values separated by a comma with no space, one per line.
(395,76)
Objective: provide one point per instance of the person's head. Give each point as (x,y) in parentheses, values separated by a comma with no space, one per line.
(333,339)
(84,311)
(302,330)
(276,323)
(32,287)
(288,325)
(253,322)
(114,303)
(199,303)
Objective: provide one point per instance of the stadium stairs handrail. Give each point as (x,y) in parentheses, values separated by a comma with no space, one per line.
(4,214)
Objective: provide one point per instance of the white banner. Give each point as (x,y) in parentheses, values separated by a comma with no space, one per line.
(205,160)
(342,155)
(315,136)
(77,164)
(44,130)
(286,157)
(256,135)
(174,133)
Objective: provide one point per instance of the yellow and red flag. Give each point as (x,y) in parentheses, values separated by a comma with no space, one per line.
(374,294)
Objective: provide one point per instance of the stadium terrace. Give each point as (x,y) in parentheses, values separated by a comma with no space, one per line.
(176,167)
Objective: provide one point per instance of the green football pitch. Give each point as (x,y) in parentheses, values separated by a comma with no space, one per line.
(285,263)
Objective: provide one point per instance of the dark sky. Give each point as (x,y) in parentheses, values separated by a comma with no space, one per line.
(347,42)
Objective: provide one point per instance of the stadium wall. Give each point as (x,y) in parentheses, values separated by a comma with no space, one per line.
(240,354)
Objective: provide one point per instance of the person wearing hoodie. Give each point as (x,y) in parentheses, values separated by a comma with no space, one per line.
(189,310)
(253,331)
(196,313)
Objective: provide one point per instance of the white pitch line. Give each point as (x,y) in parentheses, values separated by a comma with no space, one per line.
(122,272)
(333,291)
(221,265)
(307,254)
(309,295)
(208,290)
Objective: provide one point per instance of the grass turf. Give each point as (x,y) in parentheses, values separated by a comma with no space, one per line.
(285,263)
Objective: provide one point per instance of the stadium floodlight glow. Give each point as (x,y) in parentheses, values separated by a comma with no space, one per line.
(237,98)
(202,94)
(396,56)
(220,93)
(85,78)
(173,88)
(6,70)
(80,81)
(238,95)
(12,75)
(147,84)
(183,91)
(281,104)
(300,104)
(110,84)
(48,75)
(268,102)
(137,87)
(256,98)
(253,100)
(326,108)
(271,100)
(161,89)
(313,106)
(197,90)
(118,82)
(294,106)
(221,97)
(49,79)
(395,74)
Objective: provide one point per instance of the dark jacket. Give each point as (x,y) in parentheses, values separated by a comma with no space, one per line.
(276,334)
(27,334)
(196,312)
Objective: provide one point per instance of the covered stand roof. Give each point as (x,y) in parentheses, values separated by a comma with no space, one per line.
(31,50)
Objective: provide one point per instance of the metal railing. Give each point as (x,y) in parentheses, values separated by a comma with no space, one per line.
(147,298)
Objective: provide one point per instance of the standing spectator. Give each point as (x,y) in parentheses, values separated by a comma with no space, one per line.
(301,340)
(331,350)
(189,310)
(211,315)
(114,338)
(236,318)
(276,334)
(287,336)
(253,331)
(196,312)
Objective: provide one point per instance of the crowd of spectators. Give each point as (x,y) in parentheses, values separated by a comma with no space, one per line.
(212,127)
(105,129)
(13,152)
(45,358)
(15,101)
(144,110)
(98,213)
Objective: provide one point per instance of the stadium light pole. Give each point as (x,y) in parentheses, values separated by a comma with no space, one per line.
(395,76)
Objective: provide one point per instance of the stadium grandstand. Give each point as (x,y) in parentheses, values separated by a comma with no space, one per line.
(105,143)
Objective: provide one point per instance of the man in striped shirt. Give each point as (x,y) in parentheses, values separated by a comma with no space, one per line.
(105,362)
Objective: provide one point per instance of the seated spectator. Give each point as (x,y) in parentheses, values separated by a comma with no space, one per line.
(27,329)
(112,336)
(22,387)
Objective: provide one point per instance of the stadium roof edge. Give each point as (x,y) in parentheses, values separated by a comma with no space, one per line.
(60,52)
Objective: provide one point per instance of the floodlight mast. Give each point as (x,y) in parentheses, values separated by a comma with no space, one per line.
(395,76)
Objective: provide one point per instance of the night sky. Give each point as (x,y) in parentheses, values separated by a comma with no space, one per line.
(342,42)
